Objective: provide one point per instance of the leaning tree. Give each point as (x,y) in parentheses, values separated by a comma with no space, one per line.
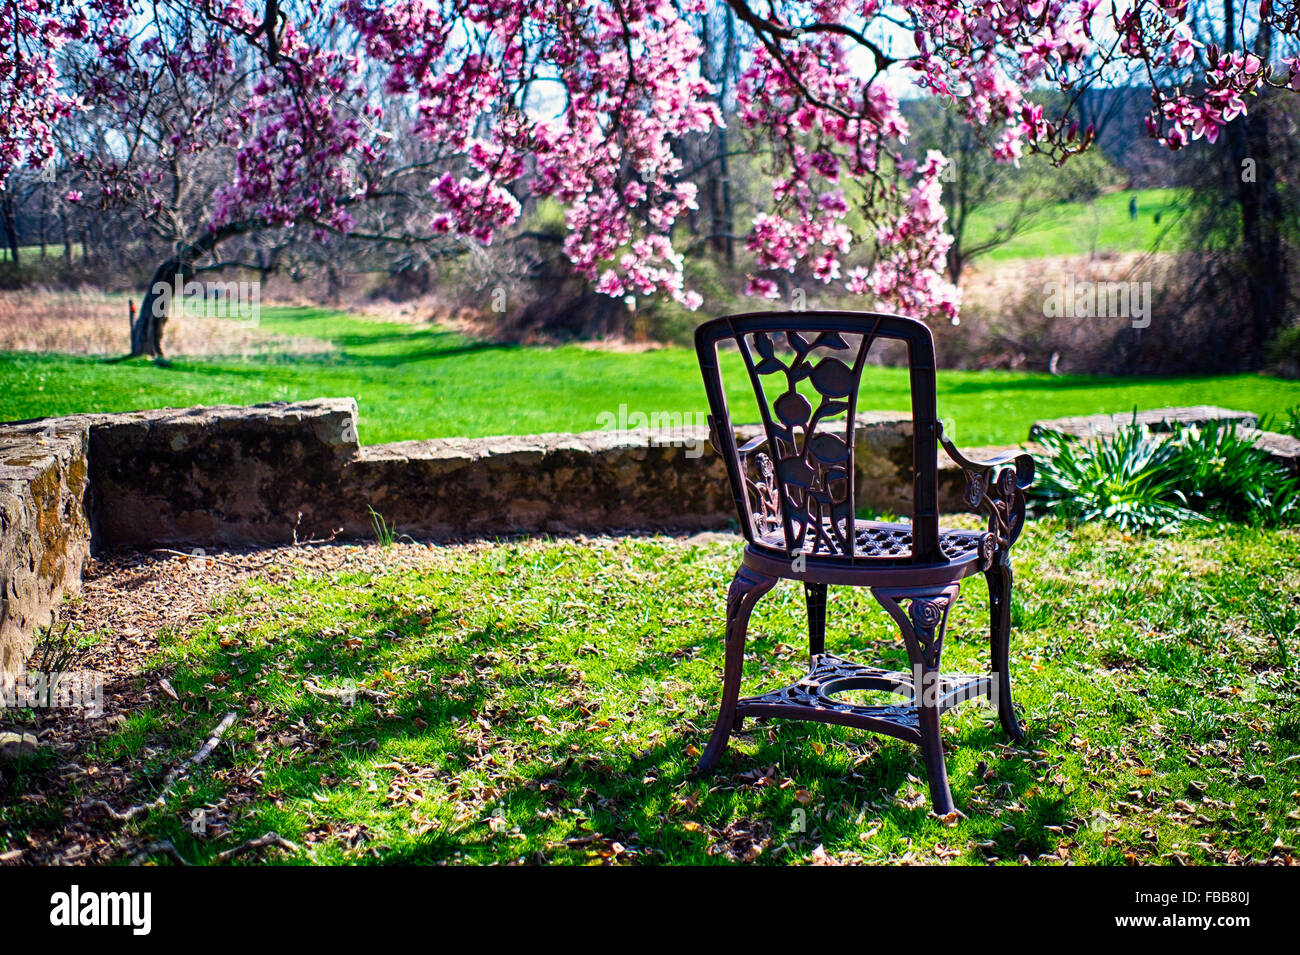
(232,120)
(587,101)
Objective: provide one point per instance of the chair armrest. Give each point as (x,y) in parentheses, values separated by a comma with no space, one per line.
(744,450)
(996,486)
(1023,461)
(764,502)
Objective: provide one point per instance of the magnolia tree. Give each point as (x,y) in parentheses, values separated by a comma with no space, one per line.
(587,102)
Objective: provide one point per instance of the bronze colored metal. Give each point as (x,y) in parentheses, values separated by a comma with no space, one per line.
(794,491)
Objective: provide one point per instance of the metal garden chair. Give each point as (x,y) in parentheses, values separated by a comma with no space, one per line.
(794,489)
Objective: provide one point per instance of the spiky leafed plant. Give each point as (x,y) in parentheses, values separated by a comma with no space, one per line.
(1131,479)
(1226,474)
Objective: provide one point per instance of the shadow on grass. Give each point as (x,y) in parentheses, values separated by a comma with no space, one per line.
(510,763)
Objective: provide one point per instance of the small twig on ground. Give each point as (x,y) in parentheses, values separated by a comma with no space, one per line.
(270,839)
(261,563)
(375,696)
(214,558)
(319,540)
(154,847)
(175,775)
(322,540)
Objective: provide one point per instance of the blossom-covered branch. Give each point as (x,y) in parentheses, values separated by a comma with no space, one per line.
(587,102)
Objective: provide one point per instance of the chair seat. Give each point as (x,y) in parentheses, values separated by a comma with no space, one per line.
(876,540)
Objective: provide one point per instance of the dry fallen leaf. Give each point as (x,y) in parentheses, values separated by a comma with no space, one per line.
(819,857)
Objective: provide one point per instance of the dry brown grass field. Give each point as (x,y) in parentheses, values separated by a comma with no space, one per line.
(97,323)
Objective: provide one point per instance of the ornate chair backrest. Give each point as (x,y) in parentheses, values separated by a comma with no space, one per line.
(805,368)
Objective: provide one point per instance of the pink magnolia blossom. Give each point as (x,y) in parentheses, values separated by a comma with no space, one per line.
(586,102)
(1182,45)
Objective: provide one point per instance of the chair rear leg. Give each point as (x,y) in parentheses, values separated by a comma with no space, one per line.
(815,594)
(747,587)
(999,580)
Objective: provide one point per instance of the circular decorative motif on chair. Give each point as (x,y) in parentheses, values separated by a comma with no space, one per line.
(977,484)
(792,408)
(988,547)
(927,612)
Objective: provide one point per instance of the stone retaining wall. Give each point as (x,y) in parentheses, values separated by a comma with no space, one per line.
(44,530)
(1158,419)
(263,475)
(270,474)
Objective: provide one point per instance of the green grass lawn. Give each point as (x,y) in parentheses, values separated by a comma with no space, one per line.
(544,701)
(53,250)
(419,382)
(1077,228)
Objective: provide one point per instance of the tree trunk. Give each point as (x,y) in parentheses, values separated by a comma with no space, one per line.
(334,284)
(953,196)
(956,264)
(730,66)
(11,227)
(147,332)
(723,220)
(45,205)
(1261,229)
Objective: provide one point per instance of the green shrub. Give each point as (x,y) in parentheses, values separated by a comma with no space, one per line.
(1275,504)
(1284,353)
(1288,425)
(1129,479)
(1223,473)
(1143,481)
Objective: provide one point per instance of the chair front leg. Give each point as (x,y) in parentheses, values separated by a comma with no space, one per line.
(923,626)
(999,580)
(815,594)
(747,587)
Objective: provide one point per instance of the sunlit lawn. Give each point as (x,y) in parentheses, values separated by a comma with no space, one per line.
(1078,228)
(421,382)
(543,701)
